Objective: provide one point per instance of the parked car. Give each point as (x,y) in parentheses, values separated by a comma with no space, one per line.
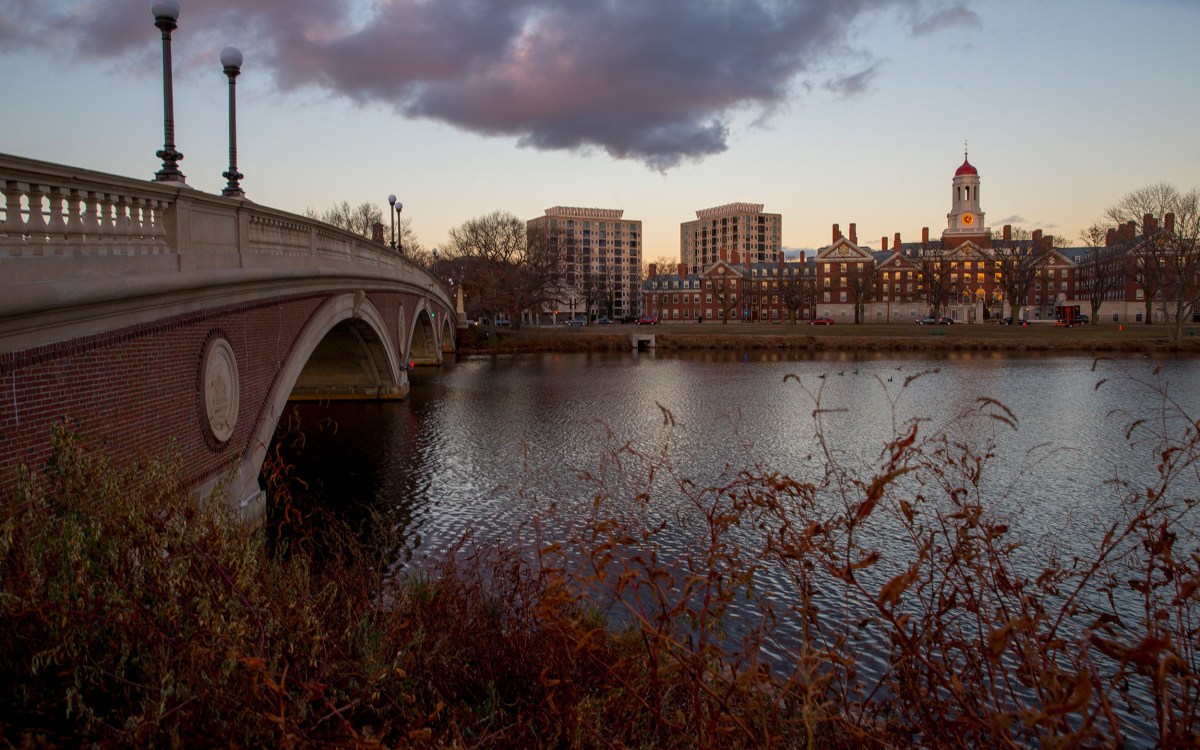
(821,322)
(1005,321)
(603,320)
(928,320)
(648,320)
(944,321)
(576,322)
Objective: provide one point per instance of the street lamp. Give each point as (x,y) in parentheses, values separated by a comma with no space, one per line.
(166,13)
(392,211)
(231,60)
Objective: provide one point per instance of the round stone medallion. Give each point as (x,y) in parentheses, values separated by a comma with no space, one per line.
(219,391)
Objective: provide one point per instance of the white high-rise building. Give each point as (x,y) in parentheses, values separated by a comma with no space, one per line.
(596,260)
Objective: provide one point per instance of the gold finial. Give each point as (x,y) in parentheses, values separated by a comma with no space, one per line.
(964,149)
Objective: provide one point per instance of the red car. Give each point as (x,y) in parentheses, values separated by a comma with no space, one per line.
(648,320)
(821,322)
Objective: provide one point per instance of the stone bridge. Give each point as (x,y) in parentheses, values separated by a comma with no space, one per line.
(148,314)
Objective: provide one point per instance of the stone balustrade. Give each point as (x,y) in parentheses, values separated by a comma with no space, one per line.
(73,239)
(47,215)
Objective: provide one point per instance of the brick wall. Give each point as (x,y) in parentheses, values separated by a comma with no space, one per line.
(137,390)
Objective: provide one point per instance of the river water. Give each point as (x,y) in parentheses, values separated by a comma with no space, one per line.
(484,444)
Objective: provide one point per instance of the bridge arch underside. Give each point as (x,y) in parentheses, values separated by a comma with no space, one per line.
(350,362)
(423,347)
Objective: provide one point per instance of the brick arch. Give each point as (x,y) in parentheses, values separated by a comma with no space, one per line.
(352,312)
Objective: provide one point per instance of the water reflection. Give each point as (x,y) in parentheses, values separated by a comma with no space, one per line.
(485,444)
(454,455)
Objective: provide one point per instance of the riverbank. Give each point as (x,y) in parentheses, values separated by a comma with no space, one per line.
(1089,340)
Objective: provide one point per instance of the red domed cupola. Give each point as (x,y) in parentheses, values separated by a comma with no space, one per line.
(966,168)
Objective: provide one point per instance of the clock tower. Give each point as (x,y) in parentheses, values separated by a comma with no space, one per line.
(965,220)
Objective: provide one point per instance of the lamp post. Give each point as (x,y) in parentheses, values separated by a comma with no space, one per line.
(392,212)
(166,13)
(231,60)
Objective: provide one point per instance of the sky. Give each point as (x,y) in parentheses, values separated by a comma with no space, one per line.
(825,111)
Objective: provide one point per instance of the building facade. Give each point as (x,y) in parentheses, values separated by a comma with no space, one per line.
(595,260)
(732,270)
(741,228)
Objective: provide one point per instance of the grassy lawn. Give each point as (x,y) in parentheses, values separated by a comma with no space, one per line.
(1037,336)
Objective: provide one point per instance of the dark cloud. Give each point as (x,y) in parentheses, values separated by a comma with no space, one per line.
(656,81)
(1014,219)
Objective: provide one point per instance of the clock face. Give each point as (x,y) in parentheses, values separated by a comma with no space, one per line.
(968,219)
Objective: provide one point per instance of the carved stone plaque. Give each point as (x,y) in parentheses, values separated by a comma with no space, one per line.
(220,388)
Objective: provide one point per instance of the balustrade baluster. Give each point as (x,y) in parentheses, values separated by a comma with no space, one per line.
(108,229)
(91,221)
(75,228)
(35,223)
(122,226)
(57,226)
(14,223)
(144,228)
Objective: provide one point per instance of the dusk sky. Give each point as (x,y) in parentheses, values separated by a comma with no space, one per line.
(823,110)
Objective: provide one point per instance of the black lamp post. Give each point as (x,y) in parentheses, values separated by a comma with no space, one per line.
(392,203)
(166,13)
(231,60)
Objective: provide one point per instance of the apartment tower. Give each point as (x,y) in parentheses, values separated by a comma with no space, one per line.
(595,259)
(740,228)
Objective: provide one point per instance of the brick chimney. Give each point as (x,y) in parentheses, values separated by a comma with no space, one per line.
(803,256)
(1169,223)
(883,242)
(925,235)
(1149,224)
(1110,238)
(1008,232)
(837,233)
(651,270)
(681,269)
(896,244)
(853,233)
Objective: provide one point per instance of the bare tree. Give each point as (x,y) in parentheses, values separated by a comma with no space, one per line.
(490,256)
(360,219)
(1159,262)
(498,236)
(1017,263)
(937,274)
(726,291)
(1157,200)
(1182,287)
(1102,270)
(797,291)
(860,281)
